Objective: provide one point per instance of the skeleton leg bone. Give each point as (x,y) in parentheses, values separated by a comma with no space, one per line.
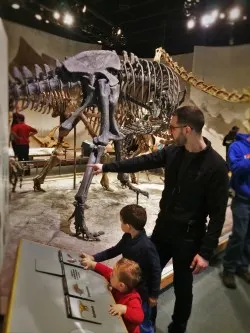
(81,197)
(39,179)
(124,177)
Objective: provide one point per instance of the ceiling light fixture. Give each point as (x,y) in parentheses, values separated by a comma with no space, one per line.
(215,14)
(84,9)
(99,41)
(119,31)
(15,6)
(190,24)
(206,20)
(47,21)
(234,14)
(68,19)
(38,17)
(56,15)
(244,18)
(222,16)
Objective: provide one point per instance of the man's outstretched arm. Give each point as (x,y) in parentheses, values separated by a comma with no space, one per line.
(143,162)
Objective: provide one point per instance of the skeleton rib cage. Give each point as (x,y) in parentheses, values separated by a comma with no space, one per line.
(147,88)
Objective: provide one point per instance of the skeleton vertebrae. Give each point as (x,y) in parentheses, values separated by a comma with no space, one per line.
(190,78)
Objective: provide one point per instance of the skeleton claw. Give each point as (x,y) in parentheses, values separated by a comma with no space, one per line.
(80,225)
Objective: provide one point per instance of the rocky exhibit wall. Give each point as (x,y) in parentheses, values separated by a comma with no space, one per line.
(227,67)
(4,138)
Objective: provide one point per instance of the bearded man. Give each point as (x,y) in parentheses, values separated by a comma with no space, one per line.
(196,187)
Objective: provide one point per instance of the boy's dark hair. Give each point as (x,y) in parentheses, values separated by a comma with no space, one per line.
(20,117)
(129,272)
(134,215)
(190,116)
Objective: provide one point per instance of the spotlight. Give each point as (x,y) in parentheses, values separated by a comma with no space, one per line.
(38,17)
(119,32)
(15,6)
(56,15)
(84,9)
(47,21)
(222,16)
(244,18)
(68,19)
(215,14)
(206,20)
(99,41)
(234,14)
(191,24)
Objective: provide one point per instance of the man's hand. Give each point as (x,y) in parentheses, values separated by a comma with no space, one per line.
(88,263)
(87,256)
(117,310)
(152,302)
(198,264)
(97,168)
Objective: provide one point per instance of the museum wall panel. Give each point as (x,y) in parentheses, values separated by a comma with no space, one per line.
(186,61)
(4,138)
(29,46)
(227,67)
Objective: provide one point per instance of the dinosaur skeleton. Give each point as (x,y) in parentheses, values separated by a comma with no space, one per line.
(143,88)
(50,140)
(190,78)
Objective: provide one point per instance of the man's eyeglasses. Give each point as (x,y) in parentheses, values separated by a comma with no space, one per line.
(171,127)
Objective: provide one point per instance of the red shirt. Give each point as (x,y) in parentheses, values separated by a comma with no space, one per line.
(22,131)
(134,315)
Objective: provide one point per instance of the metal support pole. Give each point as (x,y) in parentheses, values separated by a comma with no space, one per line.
(74,182)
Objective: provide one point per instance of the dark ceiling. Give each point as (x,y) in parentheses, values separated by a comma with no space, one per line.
(144,24)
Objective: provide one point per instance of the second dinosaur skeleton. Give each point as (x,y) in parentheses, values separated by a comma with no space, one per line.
(142,88)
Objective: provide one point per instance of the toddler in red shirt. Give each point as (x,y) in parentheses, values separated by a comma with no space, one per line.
(123,279)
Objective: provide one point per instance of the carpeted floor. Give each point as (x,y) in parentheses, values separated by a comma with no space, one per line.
(216,309)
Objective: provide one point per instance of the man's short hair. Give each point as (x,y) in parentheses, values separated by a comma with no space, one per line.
(129,272)
(191,116)
(134,215)
(20,117)
(235,128)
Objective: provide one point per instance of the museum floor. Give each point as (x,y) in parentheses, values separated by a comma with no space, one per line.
(216,309)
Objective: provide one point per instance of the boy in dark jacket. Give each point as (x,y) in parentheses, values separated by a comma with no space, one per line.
(135,245)
(237,256)
(123,279)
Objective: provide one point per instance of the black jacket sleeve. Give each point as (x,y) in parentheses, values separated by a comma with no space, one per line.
(216,199)
(225,140)
(155,272)
(112,252)
(143,162)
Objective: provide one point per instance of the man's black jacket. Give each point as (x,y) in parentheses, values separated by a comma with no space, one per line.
(201,190)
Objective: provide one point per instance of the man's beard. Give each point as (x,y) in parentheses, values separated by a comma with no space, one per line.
(181,140)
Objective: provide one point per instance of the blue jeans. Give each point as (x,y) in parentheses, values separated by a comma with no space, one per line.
(146,326)
(237,256)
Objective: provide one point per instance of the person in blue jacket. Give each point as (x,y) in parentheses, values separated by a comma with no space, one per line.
(237,256)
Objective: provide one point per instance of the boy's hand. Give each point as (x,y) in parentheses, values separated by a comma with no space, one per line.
(87,256)
(152,302)
(117,310)
(88,263)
